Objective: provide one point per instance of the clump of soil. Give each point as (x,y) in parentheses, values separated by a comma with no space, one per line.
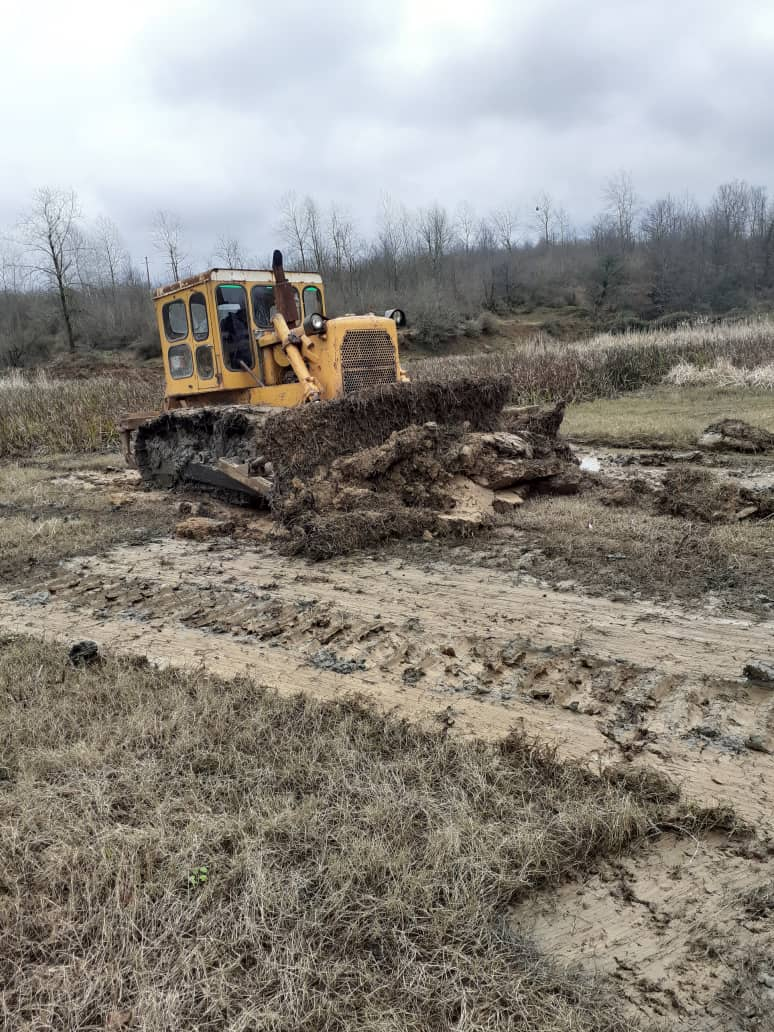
(736,435)
(425,478)
(698,495)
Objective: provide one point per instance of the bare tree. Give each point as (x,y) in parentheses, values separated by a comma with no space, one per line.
(49,232)
(389,240)
(341,232)
(111,252)
(229,251)
(732,208)
(564,227)
(503,223)
(293,227)
(621,205)
(316,234)
(167,239)
(545,217)
(486,237)
(13,280)
(435,230)
(465,225)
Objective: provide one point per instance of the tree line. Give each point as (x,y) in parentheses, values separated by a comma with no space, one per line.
(67,282)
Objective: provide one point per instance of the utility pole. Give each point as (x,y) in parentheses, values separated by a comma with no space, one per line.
(147,271)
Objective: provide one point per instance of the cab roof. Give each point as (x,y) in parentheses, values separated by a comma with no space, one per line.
(234,275)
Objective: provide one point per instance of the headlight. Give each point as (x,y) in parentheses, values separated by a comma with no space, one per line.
(398,316)
(314,323)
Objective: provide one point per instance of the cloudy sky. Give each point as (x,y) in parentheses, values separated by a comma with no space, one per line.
(214,109)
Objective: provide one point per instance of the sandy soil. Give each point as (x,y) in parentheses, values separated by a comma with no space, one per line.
(632,683)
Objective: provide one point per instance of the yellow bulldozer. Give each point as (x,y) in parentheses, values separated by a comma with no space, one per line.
(270,400)
(254,341)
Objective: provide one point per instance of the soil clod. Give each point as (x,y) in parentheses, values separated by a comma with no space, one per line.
(83,653)
(761,671)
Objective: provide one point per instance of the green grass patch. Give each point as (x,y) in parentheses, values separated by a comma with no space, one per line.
(665,416)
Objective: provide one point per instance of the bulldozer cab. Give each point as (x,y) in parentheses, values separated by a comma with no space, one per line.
(211,327)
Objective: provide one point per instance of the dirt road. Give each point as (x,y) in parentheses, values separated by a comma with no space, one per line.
(602,680)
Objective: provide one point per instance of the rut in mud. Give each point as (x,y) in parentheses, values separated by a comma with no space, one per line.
(604,681)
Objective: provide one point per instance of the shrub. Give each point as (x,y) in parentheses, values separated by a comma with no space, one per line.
(609,364)
(488,322)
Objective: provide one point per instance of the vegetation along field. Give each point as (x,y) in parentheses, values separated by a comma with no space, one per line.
(511,770)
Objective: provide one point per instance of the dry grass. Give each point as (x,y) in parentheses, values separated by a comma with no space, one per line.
(607,365)
(635,551)
(40,414)
(65,507)
(723,374)
(178,853)
(665,416)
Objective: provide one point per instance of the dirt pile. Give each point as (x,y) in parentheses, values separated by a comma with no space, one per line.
(736,435)
(438,458)
(699,495)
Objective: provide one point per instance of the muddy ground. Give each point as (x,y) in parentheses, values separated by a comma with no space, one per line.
(612,631)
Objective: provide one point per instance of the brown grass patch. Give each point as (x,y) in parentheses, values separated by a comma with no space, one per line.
(181,853)
(627,547)
(607,365)
(49,511)
(39,414)
(698,494)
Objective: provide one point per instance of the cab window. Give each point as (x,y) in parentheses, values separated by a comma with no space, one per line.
(264,307)
(234,325)
(205,362)
(199,323)
(312,301)
(263,304)
(180,361)
(175,320)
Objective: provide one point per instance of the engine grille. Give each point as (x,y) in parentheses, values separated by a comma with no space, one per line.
(367,359)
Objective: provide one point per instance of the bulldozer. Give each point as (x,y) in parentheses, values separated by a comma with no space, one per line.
(246,343)
(271,401)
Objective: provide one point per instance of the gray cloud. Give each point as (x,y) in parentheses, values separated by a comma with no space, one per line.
(214,110)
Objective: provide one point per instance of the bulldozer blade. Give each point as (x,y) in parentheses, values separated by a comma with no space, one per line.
(298,440)
(228,478)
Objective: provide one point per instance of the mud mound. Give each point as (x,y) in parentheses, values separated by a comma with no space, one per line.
(736,435)
(428,478)
(698,495)
(165,445)
(396,461)
(298,440)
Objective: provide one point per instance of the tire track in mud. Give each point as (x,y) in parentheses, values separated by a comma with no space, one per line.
(675,925)
(602,681)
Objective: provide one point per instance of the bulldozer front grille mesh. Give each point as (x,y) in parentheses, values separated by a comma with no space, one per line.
(367,359)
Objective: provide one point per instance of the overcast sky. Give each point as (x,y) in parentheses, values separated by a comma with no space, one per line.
(213,110)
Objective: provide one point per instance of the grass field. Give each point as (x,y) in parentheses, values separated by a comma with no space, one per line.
(44,414)
(177,852)
(182,852)
(666,416)
(608,365)
(60,506)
